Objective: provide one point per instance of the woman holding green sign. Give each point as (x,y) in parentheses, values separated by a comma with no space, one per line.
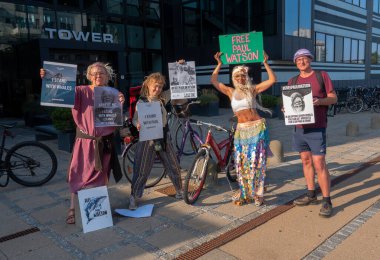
(251,141)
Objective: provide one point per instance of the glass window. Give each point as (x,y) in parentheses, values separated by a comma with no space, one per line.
(291,17)
(338,49)
(135,68)
(154,62)
(270,17)
(363,3)
(329,48)
(152,10)
(374,53)
(236,13)
(298,18)
(41,23)
(376,6)
(135,36)
(378,54)
(356,2)
(361,56)
(320,47)
(92,5)
(354,51)
(69,21)
(191,36)
(117,32)
(153,38)
(115,6)
(347,50)
(70,3)
(305,19)
(133,8)
(13,24)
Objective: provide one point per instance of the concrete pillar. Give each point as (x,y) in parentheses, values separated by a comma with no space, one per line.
(352,129)
(278,152)
(375,122)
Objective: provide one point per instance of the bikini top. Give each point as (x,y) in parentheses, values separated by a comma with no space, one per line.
(239,102)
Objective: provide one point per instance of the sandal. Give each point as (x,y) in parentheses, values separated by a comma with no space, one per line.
(70,216)
(259,201)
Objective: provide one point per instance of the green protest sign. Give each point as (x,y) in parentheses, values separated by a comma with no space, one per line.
(241,48)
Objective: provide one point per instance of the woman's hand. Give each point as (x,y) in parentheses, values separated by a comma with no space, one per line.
(181,61)
(121,97)
(266,57)
(217,57)
(138,126)
(42,73)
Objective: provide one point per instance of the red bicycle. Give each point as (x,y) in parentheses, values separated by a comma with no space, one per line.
(197,174)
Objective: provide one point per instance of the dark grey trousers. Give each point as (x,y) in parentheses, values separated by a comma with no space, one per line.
(143,163)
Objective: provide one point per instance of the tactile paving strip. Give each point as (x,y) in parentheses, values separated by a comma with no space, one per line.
(252,224)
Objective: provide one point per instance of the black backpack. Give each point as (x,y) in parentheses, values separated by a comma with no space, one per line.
(331,108)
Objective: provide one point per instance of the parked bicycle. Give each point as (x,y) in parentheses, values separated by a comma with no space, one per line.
(197,174)
(184,130)
(28,163)
(363,98)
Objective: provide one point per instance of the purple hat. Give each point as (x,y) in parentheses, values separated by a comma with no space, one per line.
(302,52)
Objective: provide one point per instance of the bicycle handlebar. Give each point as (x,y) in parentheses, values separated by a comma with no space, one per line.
(186,108)
(217,127)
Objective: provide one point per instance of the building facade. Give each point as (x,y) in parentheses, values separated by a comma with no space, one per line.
(141,36)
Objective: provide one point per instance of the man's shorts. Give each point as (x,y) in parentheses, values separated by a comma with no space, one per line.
(312,140)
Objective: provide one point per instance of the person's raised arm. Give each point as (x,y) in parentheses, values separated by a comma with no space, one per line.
(271,77)
(214,77)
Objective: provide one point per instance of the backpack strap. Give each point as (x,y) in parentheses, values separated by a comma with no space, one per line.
(318,74)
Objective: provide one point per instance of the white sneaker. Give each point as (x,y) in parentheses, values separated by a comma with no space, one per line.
(132,203)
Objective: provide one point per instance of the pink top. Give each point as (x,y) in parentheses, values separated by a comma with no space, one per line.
(81,173)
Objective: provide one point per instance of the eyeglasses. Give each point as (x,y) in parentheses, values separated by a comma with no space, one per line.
(302,59)
(97,74)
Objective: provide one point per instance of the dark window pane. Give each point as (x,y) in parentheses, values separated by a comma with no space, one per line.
(354,51)
(153,38)
(329,48)
(374,53)
(93,5)
(305,19)
(347,50)
(361,57)
(339,49)
(70,3)
(115,6)
(135,36)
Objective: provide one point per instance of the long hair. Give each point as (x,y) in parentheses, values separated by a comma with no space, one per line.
(154,77)
(248,90)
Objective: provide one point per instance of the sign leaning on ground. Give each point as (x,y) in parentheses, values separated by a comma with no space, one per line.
(182,79)
(241,48)
(58,85)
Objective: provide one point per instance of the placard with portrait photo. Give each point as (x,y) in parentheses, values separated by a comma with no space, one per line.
(298,104)
(182,80)
(108,109)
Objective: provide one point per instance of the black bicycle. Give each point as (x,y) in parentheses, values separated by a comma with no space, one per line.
(28,163)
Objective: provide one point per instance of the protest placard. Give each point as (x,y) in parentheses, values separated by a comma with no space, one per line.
(95,209)
(150,119)
(241,48)
(108,110)
(182,79)
(58,85)
(298,104)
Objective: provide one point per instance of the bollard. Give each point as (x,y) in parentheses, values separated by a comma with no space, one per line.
(278,152)
(375,122)
(352,129)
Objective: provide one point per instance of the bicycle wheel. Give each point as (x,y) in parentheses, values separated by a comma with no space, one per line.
(196,177)
(230,169)
(4,177)
(190,145)
(156,174)
(31,163)
(376,105)
(354,105)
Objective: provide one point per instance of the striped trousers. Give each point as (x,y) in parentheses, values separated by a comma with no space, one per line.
(143,163)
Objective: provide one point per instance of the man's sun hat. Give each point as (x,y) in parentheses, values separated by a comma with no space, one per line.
(302,52)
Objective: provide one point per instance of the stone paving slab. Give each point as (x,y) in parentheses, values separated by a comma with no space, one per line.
(175,227)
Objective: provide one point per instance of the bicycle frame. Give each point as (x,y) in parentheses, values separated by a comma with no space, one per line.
(192,132)
(218,147)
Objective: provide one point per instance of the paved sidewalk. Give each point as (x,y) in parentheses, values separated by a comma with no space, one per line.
(175,227)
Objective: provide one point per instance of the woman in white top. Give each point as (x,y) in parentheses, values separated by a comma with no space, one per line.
(251,141)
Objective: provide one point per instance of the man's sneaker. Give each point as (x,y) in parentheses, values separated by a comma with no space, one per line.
(132,203)
(326,209)
(178,195)
(305,200)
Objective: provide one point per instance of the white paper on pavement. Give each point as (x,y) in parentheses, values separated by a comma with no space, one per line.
(140,212)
